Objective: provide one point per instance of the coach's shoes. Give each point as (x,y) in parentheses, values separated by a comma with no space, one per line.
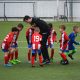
(8,65)
(70,55)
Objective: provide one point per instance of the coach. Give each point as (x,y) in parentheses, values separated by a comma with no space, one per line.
(44,31)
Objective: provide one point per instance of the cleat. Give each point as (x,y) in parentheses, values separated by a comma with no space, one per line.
(64,62)
(70,56)
(12,62)
(17,61)
(8,65)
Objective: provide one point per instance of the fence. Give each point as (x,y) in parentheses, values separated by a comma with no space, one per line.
(42,9)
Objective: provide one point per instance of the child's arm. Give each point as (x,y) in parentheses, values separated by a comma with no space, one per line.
(72,38)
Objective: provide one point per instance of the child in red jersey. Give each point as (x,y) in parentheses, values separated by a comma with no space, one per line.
(36,46)
(14,46)
(63,44)
(51,39)
(6,46)
(29,34)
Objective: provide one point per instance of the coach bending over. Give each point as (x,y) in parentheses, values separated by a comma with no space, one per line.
(44,31)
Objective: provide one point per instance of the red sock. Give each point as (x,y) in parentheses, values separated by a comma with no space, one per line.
(16,54)
(6,59)
(52,53)
(63,56)
(40,59)
(32,60)
(29,55)
(11,56)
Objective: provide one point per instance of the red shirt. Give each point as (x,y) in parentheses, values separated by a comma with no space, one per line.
(29,33)
(52,38)
(36,38)
(8,39)
(64,41)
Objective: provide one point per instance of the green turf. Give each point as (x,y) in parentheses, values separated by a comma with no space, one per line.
(24,71)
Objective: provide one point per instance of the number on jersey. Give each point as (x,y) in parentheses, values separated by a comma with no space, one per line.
(36,38)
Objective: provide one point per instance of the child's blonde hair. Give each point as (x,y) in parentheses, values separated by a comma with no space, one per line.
(75,27)
(37,29)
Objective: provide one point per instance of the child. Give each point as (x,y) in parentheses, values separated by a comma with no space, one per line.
(51,39)
(63,44)
(29,33)
(14,46)
(36,46)
(6,46)
(72,41)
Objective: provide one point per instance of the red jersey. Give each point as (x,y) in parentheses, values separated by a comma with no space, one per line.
(36,38)
(8,39)
(64,41)
(52,38)
(29,33)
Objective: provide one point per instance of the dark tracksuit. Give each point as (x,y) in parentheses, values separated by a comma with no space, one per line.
(44,31)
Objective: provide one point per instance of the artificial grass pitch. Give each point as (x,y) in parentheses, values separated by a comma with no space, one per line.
(24,71)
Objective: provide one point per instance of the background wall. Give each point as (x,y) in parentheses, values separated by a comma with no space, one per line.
(37,8)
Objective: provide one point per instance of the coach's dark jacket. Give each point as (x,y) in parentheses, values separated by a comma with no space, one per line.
(45,31)
(43,26)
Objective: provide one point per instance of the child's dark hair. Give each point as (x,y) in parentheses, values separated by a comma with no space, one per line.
(50,25)
(14,29)
(63,27)
(75,27)
(20,25)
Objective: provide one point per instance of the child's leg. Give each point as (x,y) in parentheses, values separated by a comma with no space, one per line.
(11,56)
(40,57)
(52,53)
(33,58)
(72,53)
(12,51)
(29,52)
(63,55)
(29,55)
(16,54)
(6,58)
(36,57)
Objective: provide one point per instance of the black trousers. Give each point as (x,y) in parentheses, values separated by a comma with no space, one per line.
(44,48)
